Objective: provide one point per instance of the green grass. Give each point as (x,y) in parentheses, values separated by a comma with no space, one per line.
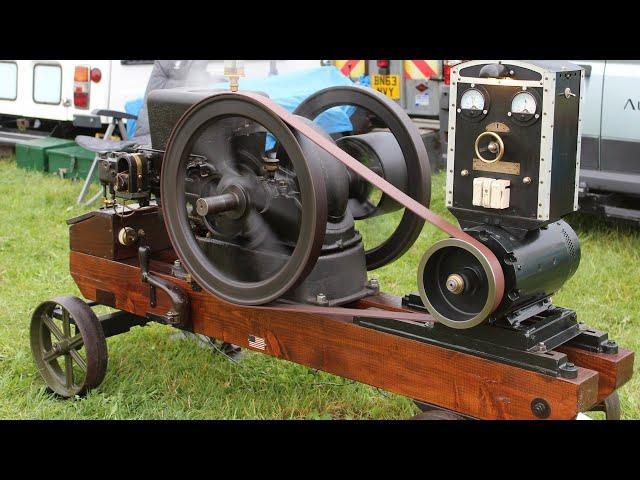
(153,375)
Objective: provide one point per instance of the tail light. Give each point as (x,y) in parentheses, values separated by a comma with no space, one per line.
(446,70)
(383,63)
(81,87)
(96,75)
(446,73)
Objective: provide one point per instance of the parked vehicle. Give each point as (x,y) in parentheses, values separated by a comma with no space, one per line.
(56,97)
(610,158)
(413,84)
(44,97)
(416,85)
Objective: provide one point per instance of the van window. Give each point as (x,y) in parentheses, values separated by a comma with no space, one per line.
(47,83)
(8,80)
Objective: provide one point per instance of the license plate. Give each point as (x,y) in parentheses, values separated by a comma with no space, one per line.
(387,84)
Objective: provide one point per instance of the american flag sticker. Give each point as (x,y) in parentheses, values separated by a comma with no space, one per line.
(257,342)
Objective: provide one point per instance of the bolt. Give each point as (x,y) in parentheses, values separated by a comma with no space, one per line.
(321,299)
(541,347)
(455,284)
(568,370)
(540,408)
(177,264)
(464,173)
(374,283)
(526,180)
(610,347)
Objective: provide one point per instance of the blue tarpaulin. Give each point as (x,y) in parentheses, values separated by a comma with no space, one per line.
(289,90)
(133,107)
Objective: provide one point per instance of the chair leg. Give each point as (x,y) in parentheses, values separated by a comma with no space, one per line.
(123,130)
(87,181)
(93,199)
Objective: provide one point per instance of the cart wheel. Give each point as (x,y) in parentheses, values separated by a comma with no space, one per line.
(430,412)
(70,363)
(610,406)
(437,415)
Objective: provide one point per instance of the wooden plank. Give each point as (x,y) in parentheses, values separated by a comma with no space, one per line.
(464,383)
(615,369)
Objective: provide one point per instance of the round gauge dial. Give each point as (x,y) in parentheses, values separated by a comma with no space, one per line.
(524,102)
(472,99)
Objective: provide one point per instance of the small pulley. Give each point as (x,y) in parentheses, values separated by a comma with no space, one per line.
(456,284)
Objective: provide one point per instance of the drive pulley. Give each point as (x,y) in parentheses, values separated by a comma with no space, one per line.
(247,213)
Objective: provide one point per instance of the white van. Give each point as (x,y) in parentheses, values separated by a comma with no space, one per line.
(41,97)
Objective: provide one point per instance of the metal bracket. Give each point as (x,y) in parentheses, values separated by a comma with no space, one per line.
(178,314)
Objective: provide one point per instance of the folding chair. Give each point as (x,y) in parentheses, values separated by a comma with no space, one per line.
(165,74)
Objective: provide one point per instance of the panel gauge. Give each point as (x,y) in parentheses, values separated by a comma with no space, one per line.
(525,107)
(472,99)
(473,103)
(524,102)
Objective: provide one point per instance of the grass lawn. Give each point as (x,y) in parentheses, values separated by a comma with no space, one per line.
(153,375)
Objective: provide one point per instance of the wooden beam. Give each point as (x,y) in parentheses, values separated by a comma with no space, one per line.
(615,369)
(460,382)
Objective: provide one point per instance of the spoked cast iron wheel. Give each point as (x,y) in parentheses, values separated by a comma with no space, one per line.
(431,412)
(231,223)
(68,346)
(413,150)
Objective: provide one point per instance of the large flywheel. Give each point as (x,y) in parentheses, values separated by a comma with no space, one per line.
(395,152)
(245,208)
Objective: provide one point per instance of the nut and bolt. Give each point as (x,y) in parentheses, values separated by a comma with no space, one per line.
(609,347)
(568,370)
(455,284)
(321,299)
(541,347)
(374,284)
(540,408)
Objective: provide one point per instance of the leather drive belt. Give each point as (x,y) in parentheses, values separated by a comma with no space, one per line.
(395,193)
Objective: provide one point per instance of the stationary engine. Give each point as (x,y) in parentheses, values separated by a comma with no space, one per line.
(258,211)
(253,226)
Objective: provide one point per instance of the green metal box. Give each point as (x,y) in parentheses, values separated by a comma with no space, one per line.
(71,162)
(32,155)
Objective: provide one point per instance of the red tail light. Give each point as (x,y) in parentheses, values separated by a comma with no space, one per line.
(96,75)
(383,63)
(446,73)
(81,87)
